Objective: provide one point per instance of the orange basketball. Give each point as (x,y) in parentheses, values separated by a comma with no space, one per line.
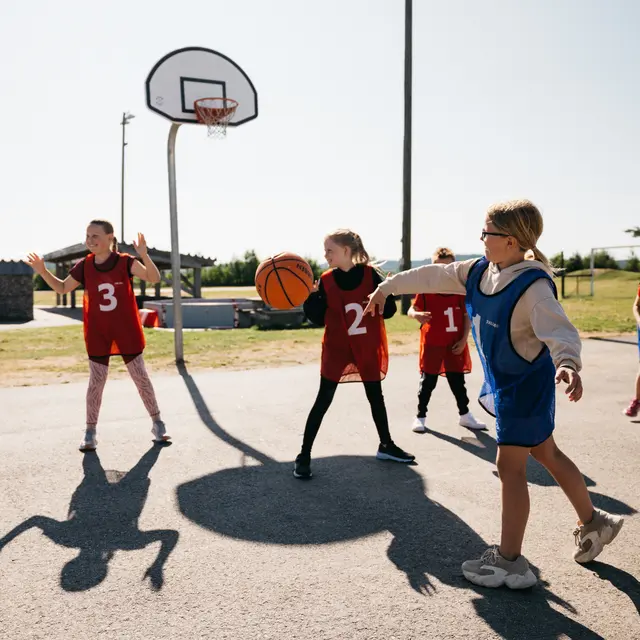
(284,281)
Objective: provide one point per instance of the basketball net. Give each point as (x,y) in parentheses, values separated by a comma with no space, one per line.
(216,113)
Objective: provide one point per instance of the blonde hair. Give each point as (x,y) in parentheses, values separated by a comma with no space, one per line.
(107,227)
(522,220)
(444,252)
(348,238)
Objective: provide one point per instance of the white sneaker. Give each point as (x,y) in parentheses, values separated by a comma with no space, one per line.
(159,432)
(89,442)
(591,538)
(419,425)
(492,570)
(468,421)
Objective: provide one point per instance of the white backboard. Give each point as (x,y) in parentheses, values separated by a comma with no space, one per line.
(185,75)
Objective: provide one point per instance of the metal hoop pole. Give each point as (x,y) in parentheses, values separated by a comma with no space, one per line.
(175,249)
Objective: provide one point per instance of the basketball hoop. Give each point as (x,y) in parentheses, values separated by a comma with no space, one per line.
(216,114)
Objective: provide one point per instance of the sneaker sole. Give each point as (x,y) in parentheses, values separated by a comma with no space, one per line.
(386,456)
(511,580)
(419,429)
(86,449)
(300,476)
(484,428)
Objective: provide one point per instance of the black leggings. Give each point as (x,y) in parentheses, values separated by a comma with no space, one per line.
(323,402)
(428,382)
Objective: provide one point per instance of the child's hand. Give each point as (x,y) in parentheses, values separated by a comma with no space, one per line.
(572,378)
(376,301)
(458,347)
(36,263)
(423,317)
(316,286)
(141,245)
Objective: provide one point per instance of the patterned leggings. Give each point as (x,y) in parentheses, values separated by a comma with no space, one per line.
(98,372)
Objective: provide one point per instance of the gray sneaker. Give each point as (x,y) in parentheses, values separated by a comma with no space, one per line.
(159,432)
(89,442)
(492,570)
(592,537)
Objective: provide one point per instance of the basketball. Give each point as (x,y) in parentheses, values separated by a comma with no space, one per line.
(284,281)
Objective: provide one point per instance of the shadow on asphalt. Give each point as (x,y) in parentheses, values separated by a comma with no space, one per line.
(483,446)
(631,340)
(102,519)
(621,580)
(355,496)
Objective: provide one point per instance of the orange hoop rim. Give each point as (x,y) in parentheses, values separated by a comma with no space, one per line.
(215,115)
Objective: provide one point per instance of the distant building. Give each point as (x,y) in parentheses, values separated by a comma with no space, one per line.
(16,291)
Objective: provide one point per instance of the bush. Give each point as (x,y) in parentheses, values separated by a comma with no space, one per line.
(241,273)
(39,284)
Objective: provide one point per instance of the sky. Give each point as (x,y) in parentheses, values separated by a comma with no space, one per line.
(533,99)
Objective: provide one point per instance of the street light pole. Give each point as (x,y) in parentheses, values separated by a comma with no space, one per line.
(126,117)
(406,180)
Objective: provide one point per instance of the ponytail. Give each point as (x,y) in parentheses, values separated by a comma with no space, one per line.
(536,254)
(360,255)
(114,244)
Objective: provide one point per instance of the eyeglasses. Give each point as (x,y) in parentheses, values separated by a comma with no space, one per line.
(484,234)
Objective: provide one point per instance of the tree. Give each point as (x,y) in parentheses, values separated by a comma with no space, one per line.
(574,263)
(635,232)
(240,272)
(633,264)
(602,260)
(557,260)
(39,284)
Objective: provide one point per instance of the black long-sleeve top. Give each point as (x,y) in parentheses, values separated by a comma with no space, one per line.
(316,304)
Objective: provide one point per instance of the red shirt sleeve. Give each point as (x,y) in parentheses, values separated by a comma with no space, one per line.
(77,271)
(638,290)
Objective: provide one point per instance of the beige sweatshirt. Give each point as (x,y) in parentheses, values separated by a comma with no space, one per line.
(537,318)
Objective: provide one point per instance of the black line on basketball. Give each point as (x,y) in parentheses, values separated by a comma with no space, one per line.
(286,295)
(296,275)
(297,260)
(265,289)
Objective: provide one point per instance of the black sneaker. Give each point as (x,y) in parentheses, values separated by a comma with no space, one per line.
(392,452)
(302,469)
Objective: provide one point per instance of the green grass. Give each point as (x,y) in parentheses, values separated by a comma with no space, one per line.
(610,310)
(35,356)
(48,298)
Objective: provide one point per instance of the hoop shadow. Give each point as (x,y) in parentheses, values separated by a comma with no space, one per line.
(353,497)
(102,519)
(483,446)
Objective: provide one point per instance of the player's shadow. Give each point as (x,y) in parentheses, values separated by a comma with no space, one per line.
(482,445)
(621,580)
(102,519)
(353,497)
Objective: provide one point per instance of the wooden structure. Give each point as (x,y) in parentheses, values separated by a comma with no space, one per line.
(65,258)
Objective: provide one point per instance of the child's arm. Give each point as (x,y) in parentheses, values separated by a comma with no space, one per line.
(432,278)
(636,309)
(59,286)
(147,270)
(551,326)
(315,306)
(459,346)
(390,306)
(418,312)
